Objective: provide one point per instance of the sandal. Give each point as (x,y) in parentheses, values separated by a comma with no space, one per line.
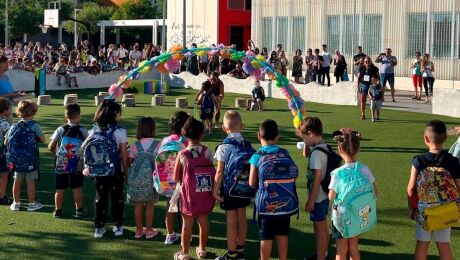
(181,256)
(201,253)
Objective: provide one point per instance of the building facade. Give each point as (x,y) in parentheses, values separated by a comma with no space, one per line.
(210,21)
(405,26)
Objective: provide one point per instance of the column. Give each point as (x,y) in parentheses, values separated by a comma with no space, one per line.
(361,22)
(290,31)
(102,37)
(117,35)
(384,22)
(307,24)
(342,20)
(274,26)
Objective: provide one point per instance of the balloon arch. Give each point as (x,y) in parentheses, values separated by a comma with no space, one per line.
(253,64)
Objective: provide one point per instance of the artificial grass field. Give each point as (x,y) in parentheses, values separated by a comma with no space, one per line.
(387,148)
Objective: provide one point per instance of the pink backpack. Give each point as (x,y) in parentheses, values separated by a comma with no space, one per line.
(197,182)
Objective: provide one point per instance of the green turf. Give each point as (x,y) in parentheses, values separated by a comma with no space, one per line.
(387,148)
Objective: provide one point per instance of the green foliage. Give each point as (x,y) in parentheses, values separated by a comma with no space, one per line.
(141,9)
(92,13)
(25,16)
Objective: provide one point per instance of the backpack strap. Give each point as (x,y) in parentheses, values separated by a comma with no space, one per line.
(139,146)
(152,147)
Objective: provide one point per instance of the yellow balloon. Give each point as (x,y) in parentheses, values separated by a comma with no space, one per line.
(260,57)
(296,122)
(144,69)
(255,64)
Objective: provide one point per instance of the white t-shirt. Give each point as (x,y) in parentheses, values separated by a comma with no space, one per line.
(223,150)
(57,135)
(327,59)
(135,55)
(122,53)
(119,134)
(318,161)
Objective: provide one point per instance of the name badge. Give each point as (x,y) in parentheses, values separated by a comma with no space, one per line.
(367,78)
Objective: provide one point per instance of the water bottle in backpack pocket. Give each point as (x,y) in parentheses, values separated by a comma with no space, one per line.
(68,153)
(22,149)
(101,155)
(276,195)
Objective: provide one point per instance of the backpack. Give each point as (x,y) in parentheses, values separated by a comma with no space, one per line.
(140,182)
(207,105)
(333,162)
(2,136)
(236,170)
(277,195)
(101,155)
(163,175)
(356,212)
(197,183)
(22,149)
(436,193)
(68,154)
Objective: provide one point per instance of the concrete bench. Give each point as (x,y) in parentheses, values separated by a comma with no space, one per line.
(181,102)
(44,100)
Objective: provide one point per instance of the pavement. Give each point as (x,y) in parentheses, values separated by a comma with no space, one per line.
(405,102)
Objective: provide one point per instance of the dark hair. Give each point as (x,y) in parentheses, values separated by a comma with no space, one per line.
(206,86)
(316,50)
(324,45)
(349,143)
(268,130)
(418,53)
(360,47)
(193,129)
(177,122)
(4,104)
(312,124)
(106,113)
(3,59)
(437,131)
(72,111)
(215,74)
(145,128)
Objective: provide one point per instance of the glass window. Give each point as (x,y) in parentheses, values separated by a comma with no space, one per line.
(441,29)
(298,33)
(236,4)
(350,34)
(333,34)
(282,31)
(372,34)
(267,32)
(416,33)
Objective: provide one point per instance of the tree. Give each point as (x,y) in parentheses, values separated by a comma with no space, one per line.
(141,9)
(91,13)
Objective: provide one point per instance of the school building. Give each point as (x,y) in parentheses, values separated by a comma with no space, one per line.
(405,26)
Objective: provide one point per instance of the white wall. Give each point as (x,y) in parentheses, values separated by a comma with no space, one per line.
(446,102)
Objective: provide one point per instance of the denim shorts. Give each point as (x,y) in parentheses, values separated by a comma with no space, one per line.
(390,77)
(364,89)
(320,211)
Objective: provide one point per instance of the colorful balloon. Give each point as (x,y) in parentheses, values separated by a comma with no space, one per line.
(248,68)
(177,48)
(144,67)
(296,121)
(115,91)
(255,64)
(161,68)
(172,65)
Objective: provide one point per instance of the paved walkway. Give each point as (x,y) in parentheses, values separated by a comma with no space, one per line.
(405,102)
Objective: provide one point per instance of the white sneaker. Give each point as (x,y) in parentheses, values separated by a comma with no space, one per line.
(171,238)
(15,206)
(117,231)
(99,232)
(34,206)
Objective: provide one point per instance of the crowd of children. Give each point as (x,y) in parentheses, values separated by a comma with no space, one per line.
(181,169)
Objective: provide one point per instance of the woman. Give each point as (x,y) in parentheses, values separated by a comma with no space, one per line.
(308,63)
(6,88)
(264,53)
(274,61)
(416,66)
(284,63)
(366,72)
(428,79)
(217,88)
(340,66)
(297,63)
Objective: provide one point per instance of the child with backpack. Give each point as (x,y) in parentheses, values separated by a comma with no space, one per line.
(140,191)
(22,154)
(320,157)
(195,171)
(165,161)
(352,190)
(5,106)
(106,162)
(274,173)
(66,144)
(207,102)
(232,189)
(433,193)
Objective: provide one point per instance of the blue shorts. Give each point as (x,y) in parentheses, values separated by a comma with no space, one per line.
(364,89)
(320,211)
(3,165)
(390,77)
(269,228)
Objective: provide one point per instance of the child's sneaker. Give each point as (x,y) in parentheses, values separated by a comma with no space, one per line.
(80,213)
(378,119)
(6,201)
(117,231)
(15,206)
(240,254)
(171,238)
(57,213)
(226,256)
(139,233)
(99,232)
(373,120)
(181,256)
(34,206)
(151,233)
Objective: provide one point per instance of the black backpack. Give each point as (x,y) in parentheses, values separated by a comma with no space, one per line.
(333,162)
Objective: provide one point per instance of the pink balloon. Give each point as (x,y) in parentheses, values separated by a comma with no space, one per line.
(115,90)
(172,65)
(257,74)
(250,53)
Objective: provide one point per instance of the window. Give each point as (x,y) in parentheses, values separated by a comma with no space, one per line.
(441,29)
(333,34)
(282,31)
(298,32)
(267,32)
(416,33)
(240,4)
(372,34)
(350,34)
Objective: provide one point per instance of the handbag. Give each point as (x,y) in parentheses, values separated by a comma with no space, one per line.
(345,76)
(441,217)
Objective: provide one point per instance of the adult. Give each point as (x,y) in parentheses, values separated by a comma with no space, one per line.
(203,63)
(358,60)
(6,88)
(316,64)
(192,62)
(284,63)
(238,72)
(428,78)
(326,66)
(123,54)
(387,71)
(340,66)
(135,55)
(279,49)
(309,70)
(367,71)
(213,65)
(416,66)
(297,62)
(264,53)
(274,60)
(217,88)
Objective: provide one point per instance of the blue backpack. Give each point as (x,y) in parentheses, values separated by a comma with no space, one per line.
(236,172)
(22,150)
(207,105)
(68,154)
(101,155)
(277,195)
(355,211)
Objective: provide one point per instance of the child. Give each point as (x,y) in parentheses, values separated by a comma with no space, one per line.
(434,172)
(24,161)
(228,155)
(66,143)
(106,120)
(5,107)
(195,171)
(346,180)
(311,130)
(179,142)
(140,182)
(375,92)
(71,69)
(207,102)
(60,70)
(258,97)
(273,163)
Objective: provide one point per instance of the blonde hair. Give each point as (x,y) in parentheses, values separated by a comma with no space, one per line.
(26,108)
(232,119)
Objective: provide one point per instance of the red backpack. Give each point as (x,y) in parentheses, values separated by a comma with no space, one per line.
(197,183)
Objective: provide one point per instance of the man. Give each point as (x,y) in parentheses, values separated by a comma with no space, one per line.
(238,72)
(358,60)
(387,69)
(279,49)
(326,65)
(135,55)
(123,54)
